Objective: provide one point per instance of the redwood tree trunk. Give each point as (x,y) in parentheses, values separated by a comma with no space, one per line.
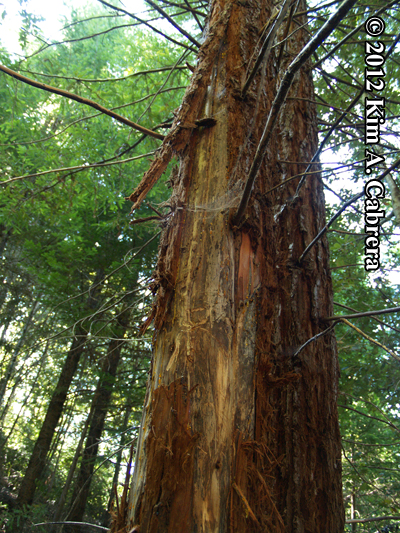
(240,433)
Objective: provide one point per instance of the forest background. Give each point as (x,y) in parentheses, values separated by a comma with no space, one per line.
(75,271)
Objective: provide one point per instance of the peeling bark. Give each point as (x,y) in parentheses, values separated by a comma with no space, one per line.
(237,433)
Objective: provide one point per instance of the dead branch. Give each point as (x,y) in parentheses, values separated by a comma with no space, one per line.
(377,519)
(174,24)
(366,313)
(145,22)
(370,339)
(81,100)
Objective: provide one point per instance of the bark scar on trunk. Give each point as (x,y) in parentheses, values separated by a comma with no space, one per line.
(170,447)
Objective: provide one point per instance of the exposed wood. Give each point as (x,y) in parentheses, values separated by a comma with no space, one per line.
(238,434)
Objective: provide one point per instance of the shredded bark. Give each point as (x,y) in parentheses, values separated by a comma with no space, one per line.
(188,113)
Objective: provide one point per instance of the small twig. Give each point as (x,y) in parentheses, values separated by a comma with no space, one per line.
(141,220)
(377,519)
(81,100)
(174,24)
(366,313)
(327,330)
(73,524)
(390,352)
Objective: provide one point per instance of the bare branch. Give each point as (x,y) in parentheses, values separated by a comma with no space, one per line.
(387,422)
(370,339)
(146,24)
(88,117)
(174,24)
(81,100)
(327,330)
(373,316)
(377,519)
(79,167)
(366,313)
(95,526)
(89,80)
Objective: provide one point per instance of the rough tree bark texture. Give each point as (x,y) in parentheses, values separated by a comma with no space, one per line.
(239,433)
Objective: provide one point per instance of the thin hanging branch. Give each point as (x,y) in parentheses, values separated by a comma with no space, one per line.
(174,24)
(365,313)
(370,339)
(76,168)
(95,526)
(154,29)
(280,98)
(267,45)
(97,80)
(387,422)
(377,519)
(81,100)
(349,202)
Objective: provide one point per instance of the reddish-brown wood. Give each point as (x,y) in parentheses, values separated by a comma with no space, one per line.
(238,434)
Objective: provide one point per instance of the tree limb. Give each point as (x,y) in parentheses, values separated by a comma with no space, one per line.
(377,519)
(81,100)
(174,24)
(146,24)
(349,202)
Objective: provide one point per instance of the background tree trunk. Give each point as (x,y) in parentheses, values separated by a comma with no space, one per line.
(37,460)
(98,412)
(124,427)
(239,432)
(13,361)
